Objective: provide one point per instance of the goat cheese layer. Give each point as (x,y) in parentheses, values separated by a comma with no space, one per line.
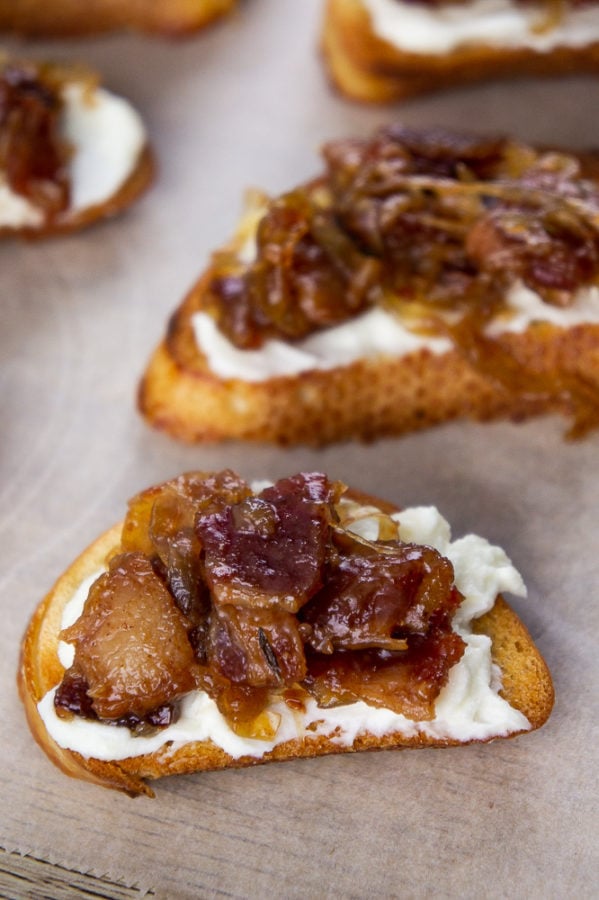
(374,333)
(419,28)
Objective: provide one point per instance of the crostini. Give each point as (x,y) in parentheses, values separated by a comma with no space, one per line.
(71,152)
(385,50)
(224,625)
(427,275)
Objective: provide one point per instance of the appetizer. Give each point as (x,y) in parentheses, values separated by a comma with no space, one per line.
(426,275)
(383,50)
(71,152)
(223,624)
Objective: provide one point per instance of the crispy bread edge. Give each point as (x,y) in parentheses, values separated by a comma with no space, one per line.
(365,400)
(65,18)
(527,686)
(367,68)
(40,669)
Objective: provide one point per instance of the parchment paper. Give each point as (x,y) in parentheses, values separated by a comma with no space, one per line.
(247,104)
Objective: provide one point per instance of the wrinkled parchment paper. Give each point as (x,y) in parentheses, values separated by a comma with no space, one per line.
(246,104)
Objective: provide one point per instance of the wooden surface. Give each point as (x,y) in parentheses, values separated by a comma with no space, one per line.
(247,105)
(28,878)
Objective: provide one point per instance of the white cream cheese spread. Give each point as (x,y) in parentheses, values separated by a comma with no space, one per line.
(107,137)
(16,211)
(525,307)
(419,28)
(469,707)
(374,333)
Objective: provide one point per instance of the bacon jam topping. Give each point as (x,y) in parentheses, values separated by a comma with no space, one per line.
(252,597)
(434,226)
(33,154)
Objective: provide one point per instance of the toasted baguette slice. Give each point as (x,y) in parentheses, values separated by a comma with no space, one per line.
(367,67)
(526,686)
(109,163)
(365,400)
(71,17)
(103,139)
(381,393)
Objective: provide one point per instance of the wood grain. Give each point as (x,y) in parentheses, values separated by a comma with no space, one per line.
(28,878)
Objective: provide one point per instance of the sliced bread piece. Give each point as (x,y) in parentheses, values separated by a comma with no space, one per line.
(426,276)
(386,50)
(53,18)
(476,688)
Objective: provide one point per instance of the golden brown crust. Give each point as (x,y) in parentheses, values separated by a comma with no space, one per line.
(527,686)
(71,17)
(40,669)
(365,67)
(364,400)
(526,680)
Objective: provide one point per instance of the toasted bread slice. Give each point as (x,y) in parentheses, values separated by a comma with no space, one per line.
(526,686)
(200,390)
(364,400)
(367,67)
(55,18)
(101,161)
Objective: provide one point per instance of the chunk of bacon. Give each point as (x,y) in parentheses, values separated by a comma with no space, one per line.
(378,599)
(407,683)
(163,510)
(160,523)
(269,551)
(131,643)
(308,274)
(257,647)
